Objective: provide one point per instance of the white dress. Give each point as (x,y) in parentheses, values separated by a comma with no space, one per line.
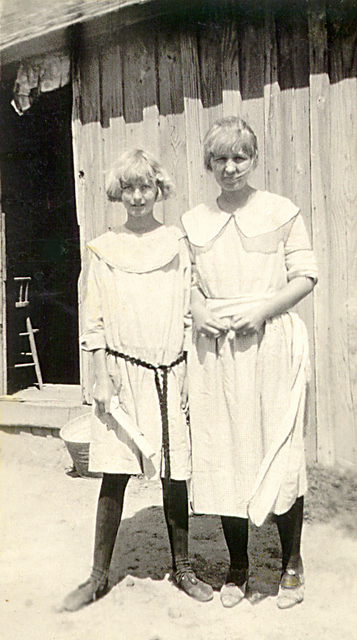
(136,302)
(247,394)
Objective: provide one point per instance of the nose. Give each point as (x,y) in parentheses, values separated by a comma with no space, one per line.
(230,166)
(137,195)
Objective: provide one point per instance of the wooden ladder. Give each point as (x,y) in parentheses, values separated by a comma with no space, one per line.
(23,301)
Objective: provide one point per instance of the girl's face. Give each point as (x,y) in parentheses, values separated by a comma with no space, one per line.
(232,169)
(139,197)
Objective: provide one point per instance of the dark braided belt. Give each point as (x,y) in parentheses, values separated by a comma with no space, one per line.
(161,388)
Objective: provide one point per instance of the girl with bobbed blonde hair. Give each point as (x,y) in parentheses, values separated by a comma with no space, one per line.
(252,262)
(137,325)
(136,164)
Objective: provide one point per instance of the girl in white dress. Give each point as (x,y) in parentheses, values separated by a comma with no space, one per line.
(137,325)
(252,262)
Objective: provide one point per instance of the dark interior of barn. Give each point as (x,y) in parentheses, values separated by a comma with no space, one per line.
(41,234)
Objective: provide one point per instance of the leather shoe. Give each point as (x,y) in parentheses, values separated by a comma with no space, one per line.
(291,589)
(187,581)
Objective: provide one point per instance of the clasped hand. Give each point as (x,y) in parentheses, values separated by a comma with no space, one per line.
(246,323)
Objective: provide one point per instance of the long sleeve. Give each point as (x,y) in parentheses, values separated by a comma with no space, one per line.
(92,327)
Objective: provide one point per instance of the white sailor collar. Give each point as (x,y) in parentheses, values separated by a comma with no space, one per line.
(264,213)
(136,253)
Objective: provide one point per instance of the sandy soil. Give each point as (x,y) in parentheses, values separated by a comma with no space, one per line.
(47,526)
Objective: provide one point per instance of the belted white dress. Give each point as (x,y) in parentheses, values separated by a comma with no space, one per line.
(247,394)
(136,296)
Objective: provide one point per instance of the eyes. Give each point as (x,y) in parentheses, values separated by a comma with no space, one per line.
(222,160)
(143,188)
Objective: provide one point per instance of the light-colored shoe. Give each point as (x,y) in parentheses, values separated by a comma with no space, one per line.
(231,595)
(291,589)
(86,593)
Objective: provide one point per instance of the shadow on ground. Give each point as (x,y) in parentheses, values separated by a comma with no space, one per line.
(142,550)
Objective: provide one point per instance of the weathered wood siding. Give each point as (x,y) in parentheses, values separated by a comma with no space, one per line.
(290,70)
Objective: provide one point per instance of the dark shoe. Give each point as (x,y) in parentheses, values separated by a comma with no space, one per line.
(291,589)
(86,593)
(187,580)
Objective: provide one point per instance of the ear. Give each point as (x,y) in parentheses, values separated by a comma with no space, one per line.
(159,194)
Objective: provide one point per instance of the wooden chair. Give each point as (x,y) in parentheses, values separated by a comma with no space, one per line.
(23,301)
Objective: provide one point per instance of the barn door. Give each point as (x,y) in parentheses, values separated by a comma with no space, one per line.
(3,377)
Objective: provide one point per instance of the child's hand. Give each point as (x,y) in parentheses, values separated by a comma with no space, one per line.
(207,322)
(103,392)
(248,322)
(184,392)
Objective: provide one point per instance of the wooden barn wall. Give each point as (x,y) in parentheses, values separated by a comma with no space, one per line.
(291,73)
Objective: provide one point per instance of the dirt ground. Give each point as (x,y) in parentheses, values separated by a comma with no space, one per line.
(47,526)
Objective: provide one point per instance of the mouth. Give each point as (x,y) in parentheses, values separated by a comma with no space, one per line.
(231,180)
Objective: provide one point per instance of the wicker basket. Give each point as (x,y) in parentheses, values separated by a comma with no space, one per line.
(76,435)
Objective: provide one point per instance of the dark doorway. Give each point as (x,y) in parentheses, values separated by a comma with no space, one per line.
(42,234)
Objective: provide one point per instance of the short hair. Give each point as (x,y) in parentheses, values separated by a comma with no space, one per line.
(136,164)
(229,134)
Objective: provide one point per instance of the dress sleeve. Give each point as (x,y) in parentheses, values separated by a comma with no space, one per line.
(92,334)
(299,257)
(187,271)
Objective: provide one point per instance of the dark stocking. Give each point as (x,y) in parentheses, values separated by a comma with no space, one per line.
(109,511)
(176,516)
(289,527)
(236,534)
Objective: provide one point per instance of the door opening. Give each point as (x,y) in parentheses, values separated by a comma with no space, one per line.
(42,234)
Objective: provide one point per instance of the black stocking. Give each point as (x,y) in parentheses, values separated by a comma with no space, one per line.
(109,511)
(289,527)
(236,534)
(176,516)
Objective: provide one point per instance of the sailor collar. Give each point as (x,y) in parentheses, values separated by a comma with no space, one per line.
(128,251)
(264,213)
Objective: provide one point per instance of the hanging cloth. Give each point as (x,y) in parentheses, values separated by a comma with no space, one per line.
(38,75)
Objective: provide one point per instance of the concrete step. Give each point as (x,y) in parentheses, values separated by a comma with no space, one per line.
(42,411)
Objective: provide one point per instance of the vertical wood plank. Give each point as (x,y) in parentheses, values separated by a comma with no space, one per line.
(273,126)
(173,148)
(343,92)
(140,98)
(231,91)
(140,95)
(320,126)
(89,174)
(88,148)
(294,181)
(252,65)
(193,117)
(209,55)
(113,123)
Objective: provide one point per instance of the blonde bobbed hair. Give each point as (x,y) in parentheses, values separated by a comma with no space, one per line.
(137,164)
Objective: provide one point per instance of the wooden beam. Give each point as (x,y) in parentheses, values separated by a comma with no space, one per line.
(320,153)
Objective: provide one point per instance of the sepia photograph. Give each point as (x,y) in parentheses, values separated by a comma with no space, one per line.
(178,319)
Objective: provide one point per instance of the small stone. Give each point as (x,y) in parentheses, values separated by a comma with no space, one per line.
(130,582)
